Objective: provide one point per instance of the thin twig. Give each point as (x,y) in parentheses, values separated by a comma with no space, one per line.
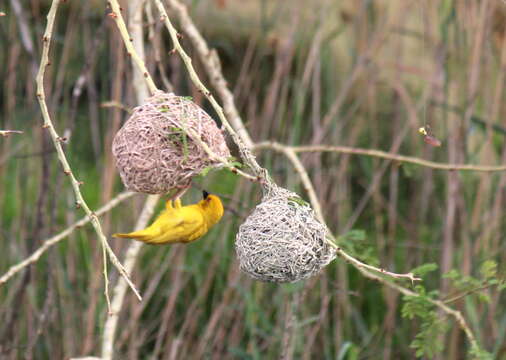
(468,292)
(245,150)
(57,141)
(6,133)
(117,105)
(211,63)
(118,18)
(13,270)
(380,154)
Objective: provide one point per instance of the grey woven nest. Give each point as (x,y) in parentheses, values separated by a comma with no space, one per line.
(282,241)
(155,150)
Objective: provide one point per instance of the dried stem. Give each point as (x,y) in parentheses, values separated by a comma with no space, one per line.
(57,141)
(380,154)
(13,270)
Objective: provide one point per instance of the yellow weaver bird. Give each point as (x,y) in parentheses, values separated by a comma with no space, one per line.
(181,224)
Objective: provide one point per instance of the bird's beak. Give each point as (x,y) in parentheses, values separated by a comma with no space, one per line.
(205,194)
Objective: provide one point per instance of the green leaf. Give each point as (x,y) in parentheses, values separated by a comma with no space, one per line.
(354,235)
(206,170)
(483,297)
(488,269)
(236,164)
(416,306)
(429,341)
(452,275)
(479,354)
(298,201)
(424,269)
(408,169)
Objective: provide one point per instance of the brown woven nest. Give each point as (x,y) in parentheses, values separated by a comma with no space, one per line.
(156,149)
(282,241)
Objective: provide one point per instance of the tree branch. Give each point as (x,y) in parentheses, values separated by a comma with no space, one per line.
(380,154)
(57,141)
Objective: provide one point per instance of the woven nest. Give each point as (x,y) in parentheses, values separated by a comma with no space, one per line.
(282,241)
(155,149)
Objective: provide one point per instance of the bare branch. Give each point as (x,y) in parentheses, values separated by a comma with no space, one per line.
(381,154)
(245,150)
(6,133)
(128,41)
(212,65)
(57,141)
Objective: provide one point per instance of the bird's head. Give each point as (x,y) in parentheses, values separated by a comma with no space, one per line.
(212,206)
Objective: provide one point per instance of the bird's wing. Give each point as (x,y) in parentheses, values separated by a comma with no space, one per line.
(179,225)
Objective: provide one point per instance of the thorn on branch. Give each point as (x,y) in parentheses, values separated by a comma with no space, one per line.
(173,51)
(112,15)
(67,172)
(78,205)
(45,126)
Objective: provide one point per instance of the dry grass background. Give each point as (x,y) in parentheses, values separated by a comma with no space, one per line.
(355,73)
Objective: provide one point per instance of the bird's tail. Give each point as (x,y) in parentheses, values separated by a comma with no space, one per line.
(139,235)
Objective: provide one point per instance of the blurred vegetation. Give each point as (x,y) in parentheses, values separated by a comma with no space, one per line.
(355,73)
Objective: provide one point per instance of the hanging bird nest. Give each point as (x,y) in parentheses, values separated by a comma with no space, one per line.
(158,148)
(282,241)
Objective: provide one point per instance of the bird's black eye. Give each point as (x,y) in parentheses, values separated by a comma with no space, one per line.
(205,194)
